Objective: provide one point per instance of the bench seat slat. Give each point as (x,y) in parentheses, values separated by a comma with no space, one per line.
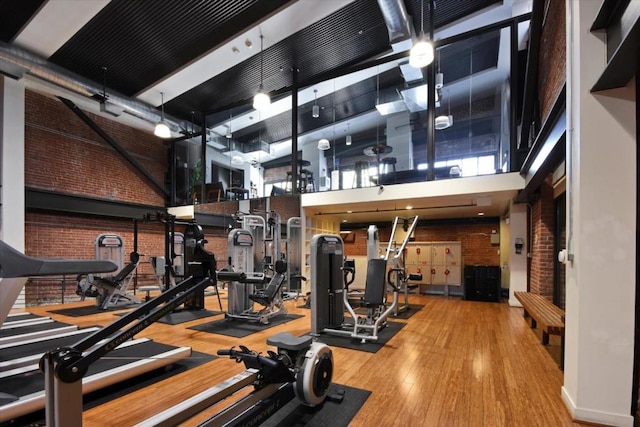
(543,311)
(549,316)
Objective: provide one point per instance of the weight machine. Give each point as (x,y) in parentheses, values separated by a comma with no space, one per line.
(294,259)
(329,293)
(243,293)
(111,291)
(398,254)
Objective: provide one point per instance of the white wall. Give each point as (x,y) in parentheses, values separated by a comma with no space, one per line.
(601,225)
(517,262)
(12,180)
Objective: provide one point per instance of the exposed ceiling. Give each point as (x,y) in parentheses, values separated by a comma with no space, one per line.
(205,55)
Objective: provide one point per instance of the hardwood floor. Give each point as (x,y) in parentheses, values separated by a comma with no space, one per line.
(455,363)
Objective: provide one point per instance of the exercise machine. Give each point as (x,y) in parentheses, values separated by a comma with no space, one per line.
(243,292)
(329,291)
(398,271)
(65,367)
(300,368)
(294,259)
(111,291)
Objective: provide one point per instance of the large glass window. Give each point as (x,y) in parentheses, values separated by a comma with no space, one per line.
(369,127)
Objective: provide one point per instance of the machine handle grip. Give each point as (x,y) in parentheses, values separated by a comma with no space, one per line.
(231,276)
(248,357)
(392,270)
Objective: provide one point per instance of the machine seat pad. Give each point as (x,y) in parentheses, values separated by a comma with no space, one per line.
(287,341)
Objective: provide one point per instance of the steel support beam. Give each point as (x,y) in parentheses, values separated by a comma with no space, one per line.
(137,166)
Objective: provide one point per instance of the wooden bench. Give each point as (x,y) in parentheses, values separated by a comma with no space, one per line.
(543,312)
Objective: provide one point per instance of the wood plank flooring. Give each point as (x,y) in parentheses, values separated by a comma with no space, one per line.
(455,363)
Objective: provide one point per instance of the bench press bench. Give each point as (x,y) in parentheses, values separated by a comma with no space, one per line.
(547,315)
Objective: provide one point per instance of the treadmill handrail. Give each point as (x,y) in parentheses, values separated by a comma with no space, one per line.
(14,263)
(72,364)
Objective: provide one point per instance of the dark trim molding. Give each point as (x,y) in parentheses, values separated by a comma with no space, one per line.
(531,74)
(621,20)
(547,150)
(50,201)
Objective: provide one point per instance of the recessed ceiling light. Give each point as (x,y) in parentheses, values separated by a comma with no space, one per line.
(480,213)
(409,207)
(344,220)
(349,211)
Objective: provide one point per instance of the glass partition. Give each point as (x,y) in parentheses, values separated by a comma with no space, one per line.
(472,116)
(365,128)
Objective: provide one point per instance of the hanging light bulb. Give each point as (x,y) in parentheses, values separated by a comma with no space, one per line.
(444,122)
(261,100)
(439,75)
(324,144)
(162,128)
(237,160)
(229,135)
(421,54)
(315,110)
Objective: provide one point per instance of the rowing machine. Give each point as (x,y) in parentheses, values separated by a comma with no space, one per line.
(299,368)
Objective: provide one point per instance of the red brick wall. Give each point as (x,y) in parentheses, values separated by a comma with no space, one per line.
(73,237)
(475,240)
(63,154)
(552,66)
(542,253)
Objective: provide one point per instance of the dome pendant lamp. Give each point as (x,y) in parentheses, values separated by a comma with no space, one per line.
(421,54)
(261,100)
(162,128)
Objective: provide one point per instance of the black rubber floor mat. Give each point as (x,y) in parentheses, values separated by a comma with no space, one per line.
(241,328)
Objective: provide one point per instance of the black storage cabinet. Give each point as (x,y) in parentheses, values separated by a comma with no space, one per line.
(482,283)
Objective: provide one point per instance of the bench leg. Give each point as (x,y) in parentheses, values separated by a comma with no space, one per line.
(545,338)
(562,352)
(534,324)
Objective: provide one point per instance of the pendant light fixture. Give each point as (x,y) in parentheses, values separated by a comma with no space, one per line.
(444,122)
(439,75)
(162,128)
(324,144)
(261,100)
(229,135)
(315,110)
(348,138)
(421,54)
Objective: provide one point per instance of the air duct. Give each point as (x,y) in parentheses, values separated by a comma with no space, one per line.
(397,20)
(14,59)
(400,31)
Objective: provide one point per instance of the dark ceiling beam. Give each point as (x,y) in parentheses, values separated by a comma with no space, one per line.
(621,20)
(97,129)
(342,71)
(531,75)
(69,203)
(50,201)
